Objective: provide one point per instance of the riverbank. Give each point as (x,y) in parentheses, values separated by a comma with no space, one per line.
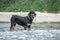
(41,17)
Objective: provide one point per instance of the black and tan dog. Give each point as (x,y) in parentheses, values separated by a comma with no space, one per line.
(23,21)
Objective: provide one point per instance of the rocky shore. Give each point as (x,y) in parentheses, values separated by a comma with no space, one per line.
(41,17)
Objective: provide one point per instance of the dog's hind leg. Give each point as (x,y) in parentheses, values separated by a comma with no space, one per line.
(11,28)
(12,23)
(14,26)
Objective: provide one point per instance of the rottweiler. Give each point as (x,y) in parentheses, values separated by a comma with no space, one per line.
(23,21)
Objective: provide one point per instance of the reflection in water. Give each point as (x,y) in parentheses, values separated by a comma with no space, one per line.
(39,31)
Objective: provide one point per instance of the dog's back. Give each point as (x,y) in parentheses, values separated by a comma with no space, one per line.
(18,19)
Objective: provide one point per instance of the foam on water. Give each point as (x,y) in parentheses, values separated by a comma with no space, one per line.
(31,35)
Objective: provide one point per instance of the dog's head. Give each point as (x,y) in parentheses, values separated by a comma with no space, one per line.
(32,14)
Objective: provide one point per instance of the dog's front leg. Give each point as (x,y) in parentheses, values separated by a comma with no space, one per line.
(28,25)
(28,28)
(25,27)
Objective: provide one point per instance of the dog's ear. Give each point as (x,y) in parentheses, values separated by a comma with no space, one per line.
(29,14)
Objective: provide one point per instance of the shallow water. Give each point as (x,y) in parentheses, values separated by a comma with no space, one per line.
(39,31)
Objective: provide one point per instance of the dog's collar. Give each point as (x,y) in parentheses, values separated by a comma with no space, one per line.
(28,18)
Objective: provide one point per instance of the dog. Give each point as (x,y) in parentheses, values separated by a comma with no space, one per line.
(23,21)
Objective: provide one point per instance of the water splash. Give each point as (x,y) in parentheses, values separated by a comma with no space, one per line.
(31,35)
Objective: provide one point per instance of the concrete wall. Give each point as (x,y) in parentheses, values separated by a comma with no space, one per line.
(41,17)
